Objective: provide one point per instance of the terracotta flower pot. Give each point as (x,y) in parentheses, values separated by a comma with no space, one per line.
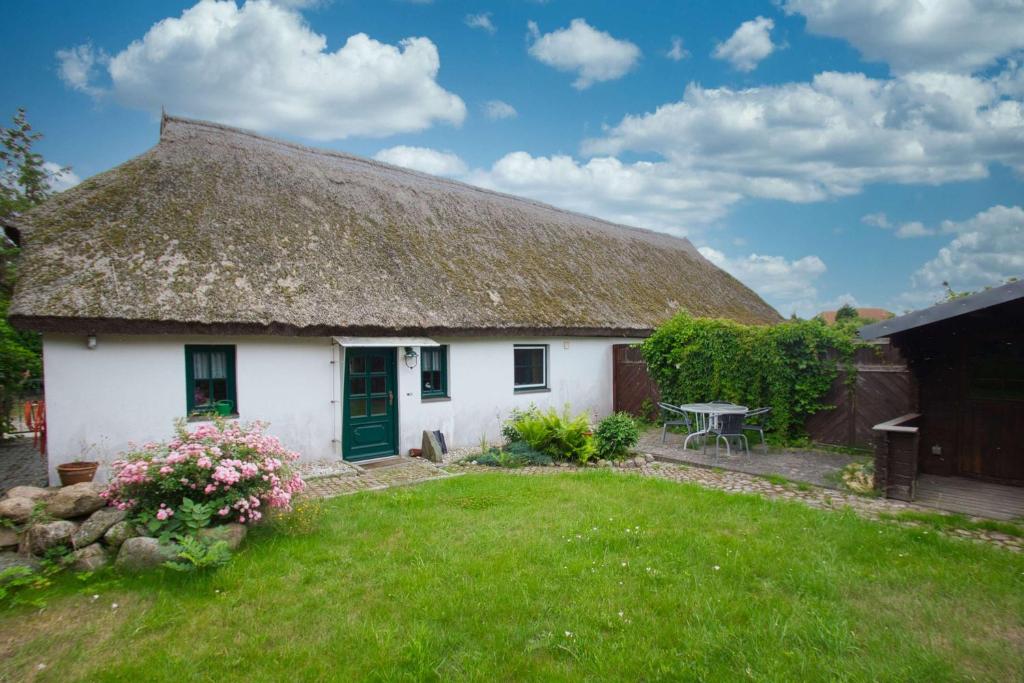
(76,472)
(415,452)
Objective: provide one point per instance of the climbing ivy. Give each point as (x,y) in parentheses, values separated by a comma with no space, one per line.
(788,366)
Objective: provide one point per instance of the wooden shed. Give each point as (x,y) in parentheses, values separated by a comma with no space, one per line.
(967,357)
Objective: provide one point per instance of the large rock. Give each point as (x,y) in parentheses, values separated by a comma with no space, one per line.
(16,509)
(118,534)
(233,534)
(96,526)
(76,500)
(90,558)
(8,537)
(39,538)
(141,553)
(432,449)
(30,492)
(8,560)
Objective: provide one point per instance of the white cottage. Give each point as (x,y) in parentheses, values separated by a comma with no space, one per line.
(350,303)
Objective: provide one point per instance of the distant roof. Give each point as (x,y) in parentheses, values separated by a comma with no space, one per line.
(866,313)
(950,309)
(217,229)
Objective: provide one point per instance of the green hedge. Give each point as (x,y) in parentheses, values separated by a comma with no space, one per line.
(789,366)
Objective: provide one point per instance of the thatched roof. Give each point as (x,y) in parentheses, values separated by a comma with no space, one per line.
(219,230)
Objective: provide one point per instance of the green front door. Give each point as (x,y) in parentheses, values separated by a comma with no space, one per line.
(369,424)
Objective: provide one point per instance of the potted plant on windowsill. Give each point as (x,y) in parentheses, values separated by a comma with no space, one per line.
(77,472)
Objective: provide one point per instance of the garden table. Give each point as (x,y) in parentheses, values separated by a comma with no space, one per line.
(706,414)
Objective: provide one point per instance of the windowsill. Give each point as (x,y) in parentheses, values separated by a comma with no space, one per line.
(533,390)
(210,417)
(435,399)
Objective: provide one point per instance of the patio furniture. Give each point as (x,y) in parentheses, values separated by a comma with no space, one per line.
(682,419)
(755,426)
(706,417)
(727,426)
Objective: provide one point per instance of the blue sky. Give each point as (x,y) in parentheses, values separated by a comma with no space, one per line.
(822,152)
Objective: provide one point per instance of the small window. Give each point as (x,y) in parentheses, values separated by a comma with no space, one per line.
(210,379)
(531,367)
(434,372)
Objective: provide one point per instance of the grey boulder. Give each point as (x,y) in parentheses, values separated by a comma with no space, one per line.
(8,560)
(16,509)
(232,534)
(76,500)
(8,537)
(30,492)
(118,534)
(39,538)
(90,558)
(142,553)
(97,525)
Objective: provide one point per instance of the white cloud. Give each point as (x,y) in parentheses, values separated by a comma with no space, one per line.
(481,21)
(77,67)
(594,55)
(830,137)
(934,35)
(903,231)
(497,109)
(751,43)
(60,179)
(643,194)
(789,286)
(260,66)
(423,159)
(677,52)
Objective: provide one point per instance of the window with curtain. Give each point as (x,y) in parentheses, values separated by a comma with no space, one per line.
(434,371)
(210,378)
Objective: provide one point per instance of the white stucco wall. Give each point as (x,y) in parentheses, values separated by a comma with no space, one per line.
(131,388)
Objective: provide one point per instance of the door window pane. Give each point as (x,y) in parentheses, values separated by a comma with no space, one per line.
(357,386)
(356,364)
(378,385)
(378,406)
(377,364)
(357,407)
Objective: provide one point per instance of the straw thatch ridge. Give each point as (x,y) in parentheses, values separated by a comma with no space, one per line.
(218,230)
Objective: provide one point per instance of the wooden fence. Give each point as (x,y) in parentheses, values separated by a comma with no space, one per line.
(884,388)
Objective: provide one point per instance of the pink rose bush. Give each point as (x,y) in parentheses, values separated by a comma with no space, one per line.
(235,469)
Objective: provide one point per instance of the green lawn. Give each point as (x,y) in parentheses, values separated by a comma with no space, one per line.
(594,576)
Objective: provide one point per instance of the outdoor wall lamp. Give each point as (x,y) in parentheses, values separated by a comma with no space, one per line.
(410,357)
(90,342)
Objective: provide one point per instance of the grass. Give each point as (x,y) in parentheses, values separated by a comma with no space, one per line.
(591,575)
(947,522)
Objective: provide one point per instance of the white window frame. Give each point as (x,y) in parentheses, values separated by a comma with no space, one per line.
(543,348)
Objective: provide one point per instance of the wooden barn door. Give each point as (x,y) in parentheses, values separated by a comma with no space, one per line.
(633,390)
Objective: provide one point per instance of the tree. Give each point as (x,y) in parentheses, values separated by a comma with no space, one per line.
(846,312)
(24,182)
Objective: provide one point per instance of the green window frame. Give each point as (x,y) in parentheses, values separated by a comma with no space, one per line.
(530,367)
(209,377)
(434,372)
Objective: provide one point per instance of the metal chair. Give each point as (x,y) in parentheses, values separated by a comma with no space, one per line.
(727,426)
(681,419)
(755,427)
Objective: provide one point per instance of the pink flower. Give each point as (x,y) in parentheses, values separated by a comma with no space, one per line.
(224,511)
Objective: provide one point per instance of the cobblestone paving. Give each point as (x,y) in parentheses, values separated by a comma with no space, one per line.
(739,482)
(21,464)
(404,472)
(821,468)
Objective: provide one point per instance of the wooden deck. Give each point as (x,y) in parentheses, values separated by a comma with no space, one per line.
(970,496)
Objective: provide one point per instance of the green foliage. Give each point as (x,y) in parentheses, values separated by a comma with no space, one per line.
(788,367)
(559,435)
(846,312)
(515,454)
(616,435)
(188,519)
(24,183)
(196,555)
(15,581)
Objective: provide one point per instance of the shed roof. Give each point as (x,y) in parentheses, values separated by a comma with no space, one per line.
(217,229)
(988,298)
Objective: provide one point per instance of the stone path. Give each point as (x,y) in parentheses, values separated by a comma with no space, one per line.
(821,468)
(739,482)
(400,471)
(21,464)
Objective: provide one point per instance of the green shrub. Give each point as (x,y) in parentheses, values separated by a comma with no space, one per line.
(616,435)
(559,435)
(788,367)
(196,555)
(515,454)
